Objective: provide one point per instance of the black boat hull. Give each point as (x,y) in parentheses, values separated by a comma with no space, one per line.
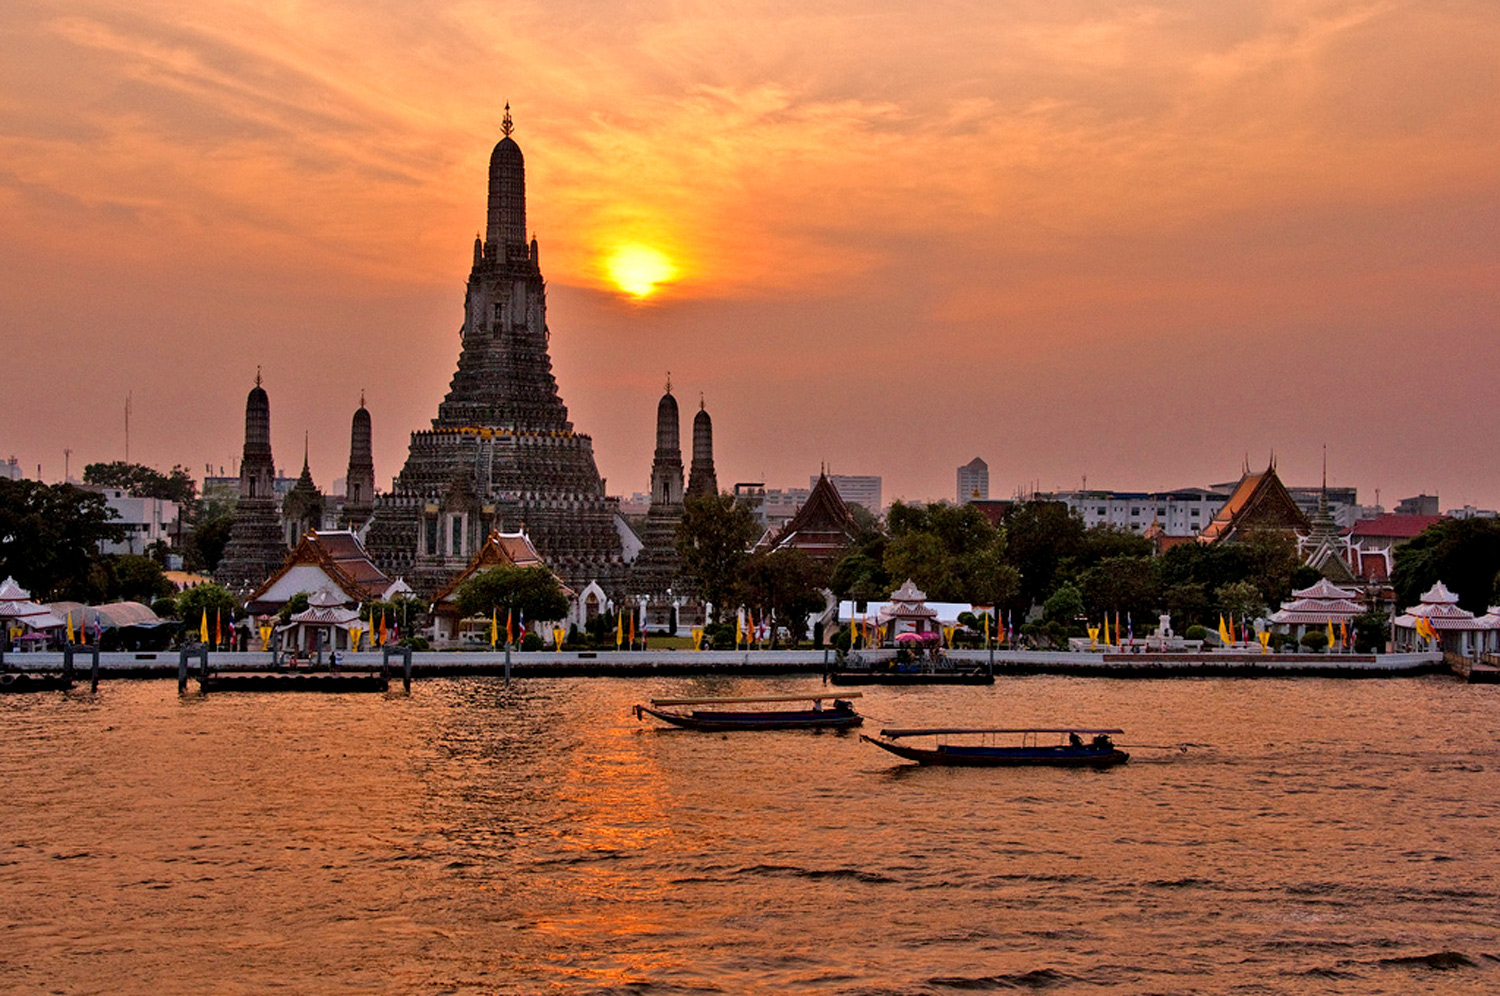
(1006,757)
(802,719)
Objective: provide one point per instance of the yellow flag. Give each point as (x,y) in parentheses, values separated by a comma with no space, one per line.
(987,629)
(1265,641)
(1224,632)
(265,637)
(70,626)
(738,630)
(619,629)
(557,637)
(494,626)
(1330,634)
(202,628)
(1106,631)
(697,637)
(1093,637)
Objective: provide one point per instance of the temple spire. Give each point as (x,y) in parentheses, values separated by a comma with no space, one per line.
(506,124)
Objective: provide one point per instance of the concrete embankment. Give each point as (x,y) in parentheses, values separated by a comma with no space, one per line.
(636,663)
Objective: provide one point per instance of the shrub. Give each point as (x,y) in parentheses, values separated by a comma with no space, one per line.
(532,642)
(1315,640)
(1196,632)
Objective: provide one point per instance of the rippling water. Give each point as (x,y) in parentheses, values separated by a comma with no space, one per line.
(1315,836)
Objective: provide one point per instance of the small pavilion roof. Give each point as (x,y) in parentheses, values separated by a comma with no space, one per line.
(1391,526)
(1325,589)
(499,550)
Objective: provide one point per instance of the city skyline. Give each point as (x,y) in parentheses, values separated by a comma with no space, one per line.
(1135,246)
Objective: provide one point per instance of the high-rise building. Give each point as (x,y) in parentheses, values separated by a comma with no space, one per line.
(974,481)
(501,455)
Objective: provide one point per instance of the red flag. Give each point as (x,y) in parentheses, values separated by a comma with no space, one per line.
(219,628)
(382,627)
(632,627)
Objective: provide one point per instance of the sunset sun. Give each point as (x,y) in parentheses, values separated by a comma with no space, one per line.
(638,270)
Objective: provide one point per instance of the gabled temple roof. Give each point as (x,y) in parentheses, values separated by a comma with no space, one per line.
(499,550)
(337,554)
(822,526)
(1258,501)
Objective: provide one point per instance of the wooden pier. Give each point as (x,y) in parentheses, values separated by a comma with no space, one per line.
(1483,670)
(285,676)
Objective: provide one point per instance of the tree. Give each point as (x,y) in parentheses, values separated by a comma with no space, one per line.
(714,540)
(1064,605)
(787,582)
(50,536)
(1241,600)
(142,481)
(1464,554)
(139,579)
(210,599)
(921,557)
(1124,585)
(1039,535)
(534,592)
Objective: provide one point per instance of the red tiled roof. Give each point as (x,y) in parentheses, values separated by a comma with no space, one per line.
(1395,526)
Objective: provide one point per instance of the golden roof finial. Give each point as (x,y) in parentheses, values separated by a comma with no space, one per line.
(506,124)
(701,405)
(257,375)
(669,382)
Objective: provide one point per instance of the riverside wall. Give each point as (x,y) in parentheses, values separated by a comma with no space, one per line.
(620,663)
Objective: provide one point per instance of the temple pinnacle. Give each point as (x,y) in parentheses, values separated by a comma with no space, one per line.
(506,124)
(669,382)
(257,375)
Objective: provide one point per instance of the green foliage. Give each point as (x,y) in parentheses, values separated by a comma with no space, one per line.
(1464,554)
(1198,633)
(788,583)
(951,552)
(297,603)
(862,576)
(1266,559)
(1064,605)
(534,592)
(212,599)
(1315,640)
(143,482)
(50,536)
(138,579)
(165,608)
(209,526)
(1188,604)
(1124,584)
(1241,600)
(713,541)
(1039,536)
(532,642)
(1371,631)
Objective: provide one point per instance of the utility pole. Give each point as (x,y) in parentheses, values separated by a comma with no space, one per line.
(67,457)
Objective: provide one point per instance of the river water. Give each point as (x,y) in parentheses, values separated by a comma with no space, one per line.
(1315,836)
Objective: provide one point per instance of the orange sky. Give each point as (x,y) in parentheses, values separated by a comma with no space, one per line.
(1123,240)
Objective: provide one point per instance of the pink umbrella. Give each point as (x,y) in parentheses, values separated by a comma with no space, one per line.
(908,637)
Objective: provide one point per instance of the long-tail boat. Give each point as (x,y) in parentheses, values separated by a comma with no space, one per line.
(814,716)
(1071,750)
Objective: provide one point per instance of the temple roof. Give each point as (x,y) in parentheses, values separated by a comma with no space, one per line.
(499,550)
(1260,500)
(1325,589)
(1395,526)
(822,526)
(341,557)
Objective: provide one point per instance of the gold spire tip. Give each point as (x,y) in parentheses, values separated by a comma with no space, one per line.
(506,124)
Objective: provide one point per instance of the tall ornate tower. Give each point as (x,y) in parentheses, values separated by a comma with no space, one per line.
(302,508)
(359,486)
(657,567)
(702,480)
(501,454)
(255,547)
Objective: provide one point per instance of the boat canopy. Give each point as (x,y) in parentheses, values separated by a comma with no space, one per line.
(734,700)
(941,730)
